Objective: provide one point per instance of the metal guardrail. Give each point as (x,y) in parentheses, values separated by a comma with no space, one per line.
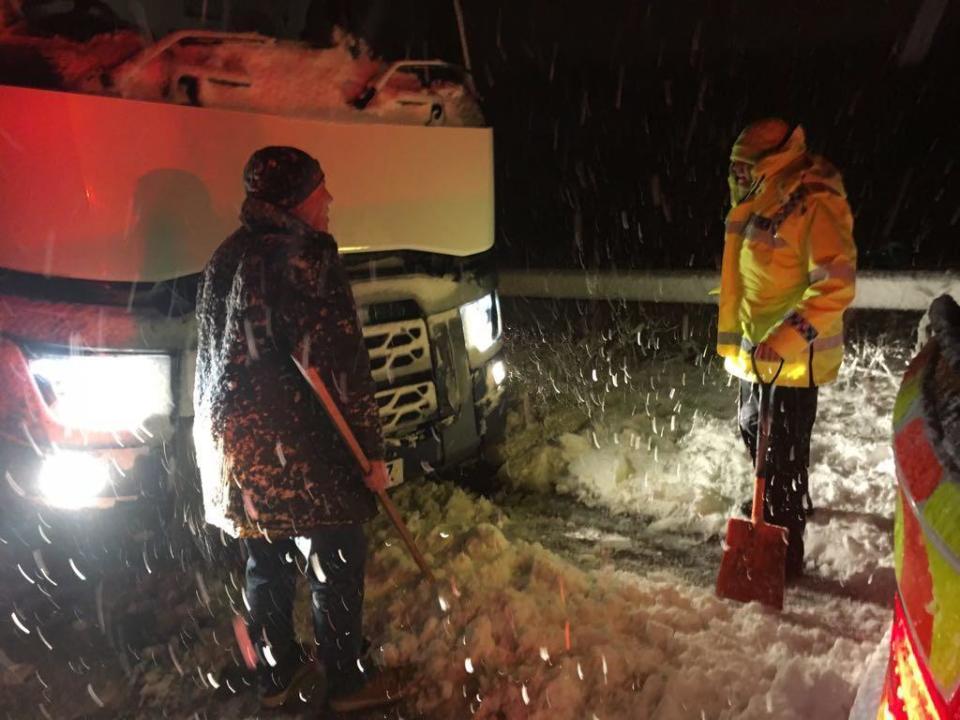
(875,290)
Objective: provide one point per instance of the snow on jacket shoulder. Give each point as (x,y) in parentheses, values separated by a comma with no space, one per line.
(789,268)
(271,462)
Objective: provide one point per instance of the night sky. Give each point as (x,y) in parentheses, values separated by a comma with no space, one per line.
(614,119)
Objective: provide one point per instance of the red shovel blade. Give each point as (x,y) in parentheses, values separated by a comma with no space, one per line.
(754,563)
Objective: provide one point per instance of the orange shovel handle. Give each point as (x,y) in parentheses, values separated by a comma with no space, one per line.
(320,388)
(330,405)
(763,441)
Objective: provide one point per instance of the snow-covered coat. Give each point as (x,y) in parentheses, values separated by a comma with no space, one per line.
(789,265)
(271,462)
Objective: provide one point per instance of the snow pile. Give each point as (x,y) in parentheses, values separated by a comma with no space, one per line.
(528,635)
(70,63)
(75,62)
(515,631)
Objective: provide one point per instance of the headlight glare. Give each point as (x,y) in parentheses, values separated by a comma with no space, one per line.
(481,323)
(106,392)
(498,371)
(72,480)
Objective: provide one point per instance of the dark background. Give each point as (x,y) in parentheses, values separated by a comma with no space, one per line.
(613,119)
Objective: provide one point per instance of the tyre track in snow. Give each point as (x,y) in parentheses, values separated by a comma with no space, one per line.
(592,538)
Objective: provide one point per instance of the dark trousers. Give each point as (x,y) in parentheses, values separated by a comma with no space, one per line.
(788,456)
(334,569)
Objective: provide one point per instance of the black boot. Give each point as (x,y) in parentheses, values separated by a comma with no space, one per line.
(794,569)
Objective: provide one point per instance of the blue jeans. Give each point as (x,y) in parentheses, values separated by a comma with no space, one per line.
(334,568)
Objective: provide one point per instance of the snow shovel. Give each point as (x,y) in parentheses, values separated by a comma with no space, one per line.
(754,559)
(320,388)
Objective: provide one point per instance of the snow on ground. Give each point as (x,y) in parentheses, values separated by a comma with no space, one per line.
(532,636)
(662,442)
(537,616)
(653,436)
(520,632)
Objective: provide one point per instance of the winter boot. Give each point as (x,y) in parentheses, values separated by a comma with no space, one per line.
(281,686)
(795,552)
(381,690)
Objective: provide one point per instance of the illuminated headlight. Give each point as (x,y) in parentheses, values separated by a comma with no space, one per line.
(105,392)
(498,372)
(72,479)
(481,323)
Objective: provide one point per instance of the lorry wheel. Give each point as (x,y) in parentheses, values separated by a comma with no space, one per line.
(479,476)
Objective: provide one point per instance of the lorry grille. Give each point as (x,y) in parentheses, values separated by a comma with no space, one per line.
(405,408)
(402,368)
(398,349)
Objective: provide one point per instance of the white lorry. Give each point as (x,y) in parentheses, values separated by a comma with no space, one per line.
(110,206)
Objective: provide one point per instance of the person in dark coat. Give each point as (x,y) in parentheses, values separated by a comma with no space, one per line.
(273,468)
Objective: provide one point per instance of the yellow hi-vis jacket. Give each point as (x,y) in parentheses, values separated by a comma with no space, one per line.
(789,264)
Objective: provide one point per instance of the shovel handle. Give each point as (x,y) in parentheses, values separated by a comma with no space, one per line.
(320,388)
(759,497)
(763,440)
(408,540)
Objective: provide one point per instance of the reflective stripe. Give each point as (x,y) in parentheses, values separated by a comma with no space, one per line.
(833,271)
(728,338)
(759,221)
(735,226)
(799,323)
(755,234)
(828,343)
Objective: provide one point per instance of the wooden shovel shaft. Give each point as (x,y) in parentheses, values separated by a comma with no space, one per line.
(764,423)
(320,388)
(763,442)
(333,410)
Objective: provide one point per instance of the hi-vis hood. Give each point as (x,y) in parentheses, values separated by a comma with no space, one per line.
(793,165)
(121,190)
(786,167)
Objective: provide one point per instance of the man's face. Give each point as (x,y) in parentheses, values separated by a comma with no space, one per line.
(740,180)
(315,210)
(742,173)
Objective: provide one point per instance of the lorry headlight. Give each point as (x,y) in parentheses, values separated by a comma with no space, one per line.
(72,479)
(106,392)
(481,323)
(498,371)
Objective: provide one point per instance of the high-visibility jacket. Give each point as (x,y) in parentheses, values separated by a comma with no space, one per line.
(789,264)
(923,674)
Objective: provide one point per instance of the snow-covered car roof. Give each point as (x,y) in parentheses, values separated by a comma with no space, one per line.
(247,71)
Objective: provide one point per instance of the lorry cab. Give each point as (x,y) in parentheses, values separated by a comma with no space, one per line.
(110,207)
